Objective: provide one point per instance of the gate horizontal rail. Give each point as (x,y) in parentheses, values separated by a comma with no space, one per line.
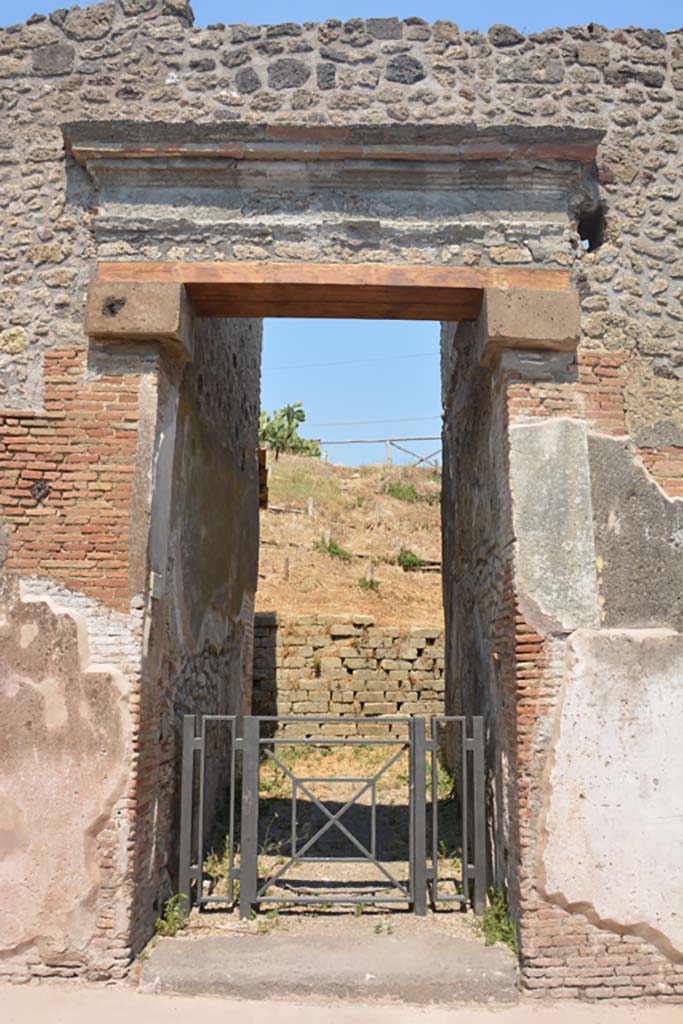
(259,744)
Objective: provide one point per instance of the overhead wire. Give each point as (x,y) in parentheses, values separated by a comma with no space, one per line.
(350,362)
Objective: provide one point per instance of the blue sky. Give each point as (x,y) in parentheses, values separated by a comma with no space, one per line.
(526,15)
(388,383)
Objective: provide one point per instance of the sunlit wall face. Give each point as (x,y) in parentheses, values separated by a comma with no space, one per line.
(358,380)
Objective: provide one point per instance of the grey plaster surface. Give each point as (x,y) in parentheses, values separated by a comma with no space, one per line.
(419,969)
(638,540)
(553,525)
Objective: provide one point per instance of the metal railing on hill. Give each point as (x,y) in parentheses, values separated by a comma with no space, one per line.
(392,442)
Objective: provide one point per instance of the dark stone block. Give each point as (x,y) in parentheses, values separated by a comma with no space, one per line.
(246,81)
(505,35)
(404,69)
(133,8)
(203,64)
(285,29)
(58,17)
(235,58)
(245,33)
(270,47)
(288,74)
(179,9)
(548,35)
(625,74)
(384,28)
(55,59)
(326,76)
(638,539)
(662,434)
(651,37)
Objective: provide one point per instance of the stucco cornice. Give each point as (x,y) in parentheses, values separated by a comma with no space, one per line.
(377,156)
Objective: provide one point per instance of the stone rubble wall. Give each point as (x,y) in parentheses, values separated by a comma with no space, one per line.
(81,429)
(142,60)
(345,666)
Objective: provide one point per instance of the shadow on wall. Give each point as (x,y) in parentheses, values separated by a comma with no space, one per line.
(264,692)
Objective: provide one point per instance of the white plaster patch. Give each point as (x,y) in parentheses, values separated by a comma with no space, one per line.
(613,830)
(27,634)
(55,706)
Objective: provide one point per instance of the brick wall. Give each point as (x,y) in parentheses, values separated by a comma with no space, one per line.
(199,645)
(67,474)
(567,950)
(345,665)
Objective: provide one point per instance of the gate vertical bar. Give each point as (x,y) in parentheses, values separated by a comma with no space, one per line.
(186,795)
(250,795)
(479,823)
(465,808)
(418,749)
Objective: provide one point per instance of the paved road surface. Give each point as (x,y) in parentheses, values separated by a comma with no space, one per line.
(69,1004)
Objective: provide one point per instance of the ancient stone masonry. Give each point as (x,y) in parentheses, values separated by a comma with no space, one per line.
(549,167)
(345,665)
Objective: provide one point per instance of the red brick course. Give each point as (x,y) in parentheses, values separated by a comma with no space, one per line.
(666,466)
(66,477)
(597,396)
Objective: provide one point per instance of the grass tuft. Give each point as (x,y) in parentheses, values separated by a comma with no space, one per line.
(496,925)
(407,559)
(333,549)
(403,492)
(173,917)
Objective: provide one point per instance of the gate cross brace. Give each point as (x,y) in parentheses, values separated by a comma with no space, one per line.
(334,819)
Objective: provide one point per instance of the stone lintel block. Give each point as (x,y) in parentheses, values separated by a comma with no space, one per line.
(521,318)
(141,311)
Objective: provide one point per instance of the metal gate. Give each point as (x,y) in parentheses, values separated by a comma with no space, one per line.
(248,757)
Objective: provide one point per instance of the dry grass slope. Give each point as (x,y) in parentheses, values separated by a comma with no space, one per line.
(355,505)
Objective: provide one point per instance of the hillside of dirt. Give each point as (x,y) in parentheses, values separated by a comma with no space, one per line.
(343,557)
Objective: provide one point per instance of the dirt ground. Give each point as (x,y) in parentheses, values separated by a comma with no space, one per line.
(355,505)
(360,858)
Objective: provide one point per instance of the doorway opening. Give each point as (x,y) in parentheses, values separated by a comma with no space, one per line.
(349,654)
(214,558)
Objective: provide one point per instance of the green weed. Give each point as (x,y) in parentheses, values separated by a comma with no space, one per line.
(407,559)
(403,492)
(333,549)
(268,921)
(365,585)
(496,925)
(174,916)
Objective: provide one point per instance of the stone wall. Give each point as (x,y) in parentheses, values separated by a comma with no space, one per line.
(569,550)
(477,561)
(345,665)
(140,60)
(130,135)
(205,558)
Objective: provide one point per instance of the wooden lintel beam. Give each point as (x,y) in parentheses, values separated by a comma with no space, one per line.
(361,291)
